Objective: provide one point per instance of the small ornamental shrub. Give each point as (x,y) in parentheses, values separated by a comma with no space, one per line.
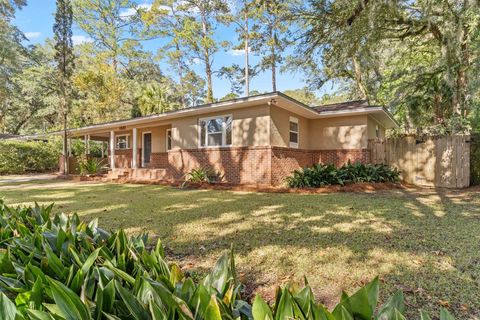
(61,268)
(204,174)
(18,157)
(88,165)
(321,175)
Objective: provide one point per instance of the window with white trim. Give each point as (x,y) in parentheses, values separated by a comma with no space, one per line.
(293,132)
(377,132)
(168,143)
(216,131)
(122,141)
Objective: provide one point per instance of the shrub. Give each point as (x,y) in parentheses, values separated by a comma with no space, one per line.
(63,268)
(320,175)
(18,157)
(88,165)
(204,174)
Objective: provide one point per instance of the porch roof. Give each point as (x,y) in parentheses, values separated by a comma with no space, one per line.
(273,98)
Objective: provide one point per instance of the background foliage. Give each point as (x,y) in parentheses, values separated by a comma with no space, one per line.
(419,58)
(28,156)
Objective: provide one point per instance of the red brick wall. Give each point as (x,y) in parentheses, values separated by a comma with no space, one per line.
(123,158)
(341,157)
(243,165)
(159,160)
(286,160)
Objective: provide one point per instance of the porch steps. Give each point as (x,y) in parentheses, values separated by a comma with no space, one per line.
(141,174)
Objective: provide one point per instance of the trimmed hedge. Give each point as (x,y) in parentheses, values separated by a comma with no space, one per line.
(17,157)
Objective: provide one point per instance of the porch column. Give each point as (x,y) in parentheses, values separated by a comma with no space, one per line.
(69,147)
(87,144)
(134,149)
(112,149)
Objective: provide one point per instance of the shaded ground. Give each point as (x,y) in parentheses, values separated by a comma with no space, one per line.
(425,242)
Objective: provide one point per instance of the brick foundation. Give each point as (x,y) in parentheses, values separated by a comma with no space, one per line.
(240,165)
(123,158)
(246,165)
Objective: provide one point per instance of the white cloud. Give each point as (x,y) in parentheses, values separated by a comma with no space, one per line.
(238,52)
(79,39)
(125,14)
(32,35)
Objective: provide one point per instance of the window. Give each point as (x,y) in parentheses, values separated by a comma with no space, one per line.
(377,132)
(169,139)
(216,131)
(293,132)
(122,141)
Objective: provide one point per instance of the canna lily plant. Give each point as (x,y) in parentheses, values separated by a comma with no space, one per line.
(61,268)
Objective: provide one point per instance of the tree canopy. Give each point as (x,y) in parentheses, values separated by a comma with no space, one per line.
(418,58)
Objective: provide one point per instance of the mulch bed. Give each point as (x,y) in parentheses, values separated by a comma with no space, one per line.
(355,187)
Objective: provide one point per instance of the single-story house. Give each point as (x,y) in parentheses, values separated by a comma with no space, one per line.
(253,140)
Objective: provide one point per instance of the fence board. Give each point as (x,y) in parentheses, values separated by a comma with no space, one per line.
(438,162)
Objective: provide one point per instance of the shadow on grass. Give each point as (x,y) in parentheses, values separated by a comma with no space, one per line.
(425,242)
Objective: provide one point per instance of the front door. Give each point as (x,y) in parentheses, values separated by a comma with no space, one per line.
(147,149)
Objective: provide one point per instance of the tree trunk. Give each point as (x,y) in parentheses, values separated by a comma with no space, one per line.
(180,77)
(358,78)
(66,156)
(462,81)
(247,66)
(274,59)
(206,55)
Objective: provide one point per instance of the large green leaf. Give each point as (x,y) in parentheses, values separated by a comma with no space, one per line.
(424,315)
(212,312)
(389,308)
(8,311)
(39,315)
(445,315)
(362,303)
(68,302)
(136,309)
(261,310)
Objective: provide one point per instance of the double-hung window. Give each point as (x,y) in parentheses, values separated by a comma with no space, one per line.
(122,141)
(216,131)
(293,132)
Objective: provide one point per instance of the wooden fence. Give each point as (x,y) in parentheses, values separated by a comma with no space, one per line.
(435,162)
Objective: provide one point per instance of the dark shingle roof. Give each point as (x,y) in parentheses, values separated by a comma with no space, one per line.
(349,105)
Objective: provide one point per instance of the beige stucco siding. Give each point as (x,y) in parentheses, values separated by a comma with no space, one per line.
(251,127)
(280,128)
(348,132)
(371,128)
(158,137)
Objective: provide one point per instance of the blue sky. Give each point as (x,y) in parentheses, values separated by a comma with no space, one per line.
(36,21)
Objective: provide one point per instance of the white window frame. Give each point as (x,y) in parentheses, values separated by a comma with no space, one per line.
(166,139)
(127,137)
(224,131)
(377,132)
(294,144)
(143,146)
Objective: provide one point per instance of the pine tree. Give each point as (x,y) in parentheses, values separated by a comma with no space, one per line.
(64,58)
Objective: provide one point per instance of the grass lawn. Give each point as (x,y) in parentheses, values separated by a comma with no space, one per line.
(426,243)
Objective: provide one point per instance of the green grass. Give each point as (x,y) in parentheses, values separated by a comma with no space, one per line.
(424,242)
